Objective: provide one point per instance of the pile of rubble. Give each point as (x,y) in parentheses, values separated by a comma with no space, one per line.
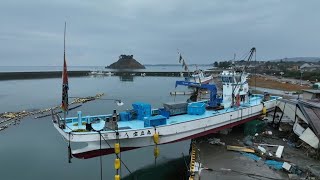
(278,148)
(13,118)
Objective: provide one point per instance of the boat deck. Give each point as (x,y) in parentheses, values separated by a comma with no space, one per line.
(98,122)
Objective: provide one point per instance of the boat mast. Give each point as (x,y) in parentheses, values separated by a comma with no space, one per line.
(233,85)
(64,59)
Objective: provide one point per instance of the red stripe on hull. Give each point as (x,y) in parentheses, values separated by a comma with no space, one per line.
(98,152)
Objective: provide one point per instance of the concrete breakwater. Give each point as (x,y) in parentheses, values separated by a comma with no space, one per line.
(39,75)
(57,74)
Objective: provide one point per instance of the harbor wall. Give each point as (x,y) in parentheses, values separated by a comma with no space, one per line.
(57,74)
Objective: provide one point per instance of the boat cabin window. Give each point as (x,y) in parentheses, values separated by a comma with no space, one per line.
(227,79)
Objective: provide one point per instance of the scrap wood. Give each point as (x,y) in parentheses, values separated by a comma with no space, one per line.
(14,116)
(269,145)
(240,149)
(87,99)
(46,115)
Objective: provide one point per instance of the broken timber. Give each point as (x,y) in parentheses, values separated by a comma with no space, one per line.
(16,117)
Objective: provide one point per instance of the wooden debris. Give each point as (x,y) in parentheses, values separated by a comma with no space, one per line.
(240,149)
(17,116)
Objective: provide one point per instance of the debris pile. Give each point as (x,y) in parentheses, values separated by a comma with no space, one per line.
(270,145)
(280,149)
(13,118)
(87,99)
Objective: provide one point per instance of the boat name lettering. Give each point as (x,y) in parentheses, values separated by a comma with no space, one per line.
(148,133)
(135,134)
(142,133)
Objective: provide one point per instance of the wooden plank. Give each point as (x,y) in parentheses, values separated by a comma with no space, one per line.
(279,151)
(240,149)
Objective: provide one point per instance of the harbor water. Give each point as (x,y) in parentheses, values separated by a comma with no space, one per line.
(35,150)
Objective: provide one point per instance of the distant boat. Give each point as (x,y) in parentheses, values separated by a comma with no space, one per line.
(101,73)
(199,77)
(97,73)
(109,73)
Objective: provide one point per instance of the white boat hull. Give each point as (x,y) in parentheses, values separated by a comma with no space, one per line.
(131,139)
(203,80)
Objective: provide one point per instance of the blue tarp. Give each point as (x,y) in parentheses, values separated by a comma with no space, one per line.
(271,163)
(252,156)
(274,164)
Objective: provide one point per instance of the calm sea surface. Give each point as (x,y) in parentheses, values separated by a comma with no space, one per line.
(34,150)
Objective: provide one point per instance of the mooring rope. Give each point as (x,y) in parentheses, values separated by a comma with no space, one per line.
(100,160)
(117,155)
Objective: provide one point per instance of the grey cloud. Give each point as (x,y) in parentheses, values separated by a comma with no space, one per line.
(31,32)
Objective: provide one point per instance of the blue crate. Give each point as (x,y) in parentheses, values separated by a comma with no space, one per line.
(142,109)
(164,113)
(155,121)
(124,116)
(196,108)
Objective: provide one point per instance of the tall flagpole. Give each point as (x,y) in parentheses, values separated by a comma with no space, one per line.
(64,59)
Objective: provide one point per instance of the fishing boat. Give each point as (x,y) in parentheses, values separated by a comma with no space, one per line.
(100,73)
(176,121)
(199,77)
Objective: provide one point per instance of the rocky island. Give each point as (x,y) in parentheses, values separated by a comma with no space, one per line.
(126,62)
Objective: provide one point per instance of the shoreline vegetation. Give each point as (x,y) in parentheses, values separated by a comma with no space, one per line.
(265,82)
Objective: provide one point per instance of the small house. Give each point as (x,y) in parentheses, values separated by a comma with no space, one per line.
(316,86)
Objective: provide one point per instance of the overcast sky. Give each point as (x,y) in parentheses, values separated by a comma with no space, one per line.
(98,31)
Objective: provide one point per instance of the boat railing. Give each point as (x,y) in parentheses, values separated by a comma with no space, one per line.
(88,119)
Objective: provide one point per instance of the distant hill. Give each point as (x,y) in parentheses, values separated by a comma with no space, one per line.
(126,62)
(296,59)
